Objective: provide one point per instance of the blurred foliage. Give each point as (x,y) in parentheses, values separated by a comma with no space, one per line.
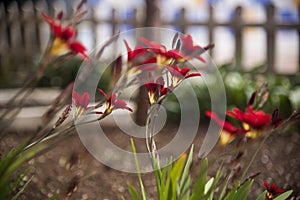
(62,75)
(239,86)
(59,75)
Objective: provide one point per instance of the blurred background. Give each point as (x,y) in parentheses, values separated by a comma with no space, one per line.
(255,40)
(247,32)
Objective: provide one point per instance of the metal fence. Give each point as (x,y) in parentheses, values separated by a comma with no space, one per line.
(22,32)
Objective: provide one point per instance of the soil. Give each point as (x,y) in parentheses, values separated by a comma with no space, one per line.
(70,170)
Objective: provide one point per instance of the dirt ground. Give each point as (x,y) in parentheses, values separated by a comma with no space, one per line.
(70,170)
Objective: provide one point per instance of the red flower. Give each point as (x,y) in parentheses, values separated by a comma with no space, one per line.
(272,190)
(254,122)
(229,132)
(179,75)
(255,119)
(163,57)
(156,90)
(113,103)
(189,50)
(136,54)
(80,102)
(64,39)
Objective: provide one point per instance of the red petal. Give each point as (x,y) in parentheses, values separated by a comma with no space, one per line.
(75,98)
(184,71)
(55,27)
(103,93)
(68,33)
(154,45)
(192,75)
(85,99)
(237,114)
(79,49)
(173,54)
(265,185)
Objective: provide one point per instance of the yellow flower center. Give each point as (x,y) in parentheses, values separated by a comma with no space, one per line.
(59,47)
(225,138)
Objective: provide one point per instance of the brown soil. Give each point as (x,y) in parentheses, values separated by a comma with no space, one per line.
(70,170)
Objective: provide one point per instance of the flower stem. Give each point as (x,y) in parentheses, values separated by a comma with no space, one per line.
(253,157)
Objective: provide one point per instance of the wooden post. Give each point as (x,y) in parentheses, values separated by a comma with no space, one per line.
(152,19)
(182,22)
(270,31)
(237,26)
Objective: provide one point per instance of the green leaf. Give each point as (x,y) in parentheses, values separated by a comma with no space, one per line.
(209,193)
(173,177)
(138,170)
(8,167)
(284,195)
(223,193)
(243,190)
(185,182)
(18,181)
(133,193)
(22,189)
(231,194)
(198,189)
(262,196)
(208,185)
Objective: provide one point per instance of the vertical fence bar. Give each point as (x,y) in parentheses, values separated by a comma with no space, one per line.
(211,27)
(270,29)
(2,40)
(298,8)
(37,27)
(182,21)
(21,23)
(238,29)
(114,21)
(94,23)
(10,41)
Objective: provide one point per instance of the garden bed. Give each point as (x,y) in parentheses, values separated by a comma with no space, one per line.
(70,170)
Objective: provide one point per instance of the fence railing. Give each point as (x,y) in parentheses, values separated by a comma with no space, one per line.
(22,33)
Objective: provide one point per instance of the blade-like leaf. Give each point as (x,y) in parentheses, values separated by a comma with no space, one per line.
(223,193)
(284,195)
(243,190)
(208,185)
(22,189)
(173,177)
(185,175)
(138,170)
(262,196)
(232,192)
(198,189)
(133,193)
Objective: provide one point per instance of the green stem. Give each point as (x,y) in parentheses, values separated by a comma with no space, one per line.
(253,157)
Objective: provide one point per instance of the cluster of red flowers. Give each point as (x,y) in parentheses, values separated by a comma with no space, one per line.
(153,59)
(253,123)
